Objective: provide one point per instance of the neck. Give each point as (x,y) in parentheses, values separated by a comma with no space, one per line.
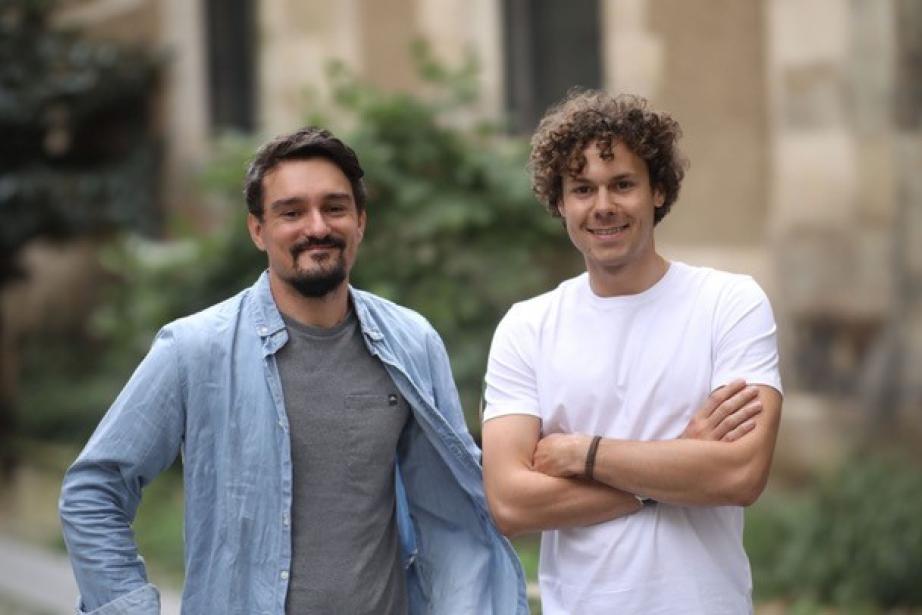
(628,279)
(323,312)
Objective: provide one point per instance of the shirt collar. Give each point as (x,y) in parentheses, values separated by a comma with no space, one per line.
(268,320)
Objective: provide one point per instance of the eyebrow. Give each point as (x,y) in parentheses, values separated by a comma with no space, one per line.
(619,176)
(281,203)
(297,200)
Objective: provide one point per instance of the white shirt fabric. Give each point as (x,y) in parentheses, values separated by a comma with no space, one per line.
(637,367)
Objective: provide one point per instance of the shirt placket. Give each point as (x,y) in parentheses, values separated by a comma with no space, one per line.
(272,342)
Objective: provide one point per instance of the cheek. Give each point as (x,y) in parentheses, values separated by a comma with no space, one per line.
(574,236)
(278,246)
(285,238)
(573,218)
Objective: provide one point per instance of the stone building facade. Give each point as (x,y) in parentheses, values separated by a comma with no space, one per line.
(803,123)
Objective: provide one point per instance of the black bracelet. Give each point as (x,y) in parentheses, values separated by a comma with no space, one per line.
(590,455)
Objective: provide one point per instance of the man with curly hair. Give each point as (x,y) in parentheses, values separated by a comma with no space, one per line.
(631,412)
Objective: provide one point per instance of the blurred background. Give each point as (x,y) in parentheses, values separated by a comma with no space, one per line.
(125,127)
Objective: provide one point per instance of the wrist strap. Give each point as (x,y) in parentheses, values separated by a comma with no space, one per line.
(590,456)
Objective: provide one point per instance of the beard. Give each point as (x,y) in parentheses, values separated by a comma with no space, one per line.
(326,278)
(316,284)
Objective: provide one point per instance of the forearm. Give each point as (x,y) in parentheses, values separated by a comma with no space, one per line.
(696,472)
(529,501)
(523,499)
(687,472)
(682,471)
(97,510)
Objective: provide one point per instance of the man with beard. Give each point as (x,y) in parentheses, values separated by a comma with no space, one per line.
(326,461)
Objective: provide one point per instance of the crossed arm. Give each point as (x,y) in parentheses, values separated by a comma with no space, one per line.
(683,471)
(723,457)
(523,499)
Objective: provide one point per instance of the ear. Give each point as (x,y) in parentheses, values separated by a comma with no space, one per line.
(659,197)
(255,226)
(363,219)
(559,206)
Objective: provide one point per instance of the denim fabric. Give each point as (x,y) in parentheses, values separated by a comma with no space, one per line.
(209,388)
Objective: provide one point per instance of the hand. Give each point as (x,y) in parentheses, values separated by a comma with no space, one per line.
(562,455)
(727,415)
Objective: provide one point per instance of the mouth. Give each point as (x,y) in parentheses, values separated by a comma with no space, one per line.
(316,247)
(315,252)
(608,231)
(319,248)
(316,256)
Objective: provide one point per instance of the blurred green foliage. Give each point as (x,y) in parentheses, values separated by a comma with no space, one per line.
(453,233)
(76,157)
(854,540)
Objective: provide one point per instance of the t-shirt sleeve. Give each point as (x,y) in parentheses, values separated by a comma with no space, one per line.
(510,385)
(746,342)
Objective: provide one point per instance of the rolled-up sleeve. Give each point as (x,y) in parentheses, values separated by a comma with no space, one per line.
(138,438)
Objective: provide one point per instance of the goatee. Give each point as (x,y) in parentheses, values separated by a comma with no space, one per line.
(318,284)
(321,283)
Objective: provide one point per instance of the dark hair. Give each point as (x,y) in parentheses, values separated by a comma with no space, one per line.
(591,116)
(308,142)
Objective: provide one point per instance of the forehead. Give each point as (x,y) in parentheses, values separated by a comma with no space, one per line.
(597,159)
(310,177)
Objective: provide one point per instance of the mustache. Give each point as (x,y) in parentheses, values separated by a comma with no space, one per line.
(328,241)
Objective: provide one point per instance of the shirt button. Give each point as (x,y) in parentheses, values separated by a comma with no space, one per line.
(285,519)
(263,331)
(284,575)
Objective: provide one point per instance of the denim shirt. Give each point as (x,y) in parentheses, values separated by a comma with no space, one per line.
(210,389)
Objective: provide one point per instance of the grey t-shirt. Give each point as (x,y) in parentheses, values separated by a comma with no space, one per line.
(346,417)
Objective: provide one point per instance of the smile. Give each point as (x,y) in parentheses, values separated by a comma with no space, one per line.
(608,231)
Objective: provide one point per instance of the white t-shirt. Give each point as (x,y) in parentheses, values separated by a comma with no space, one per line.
(637,367)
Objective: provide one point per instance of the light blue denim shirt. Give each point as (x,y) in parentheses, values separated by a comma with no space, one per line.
(209,388)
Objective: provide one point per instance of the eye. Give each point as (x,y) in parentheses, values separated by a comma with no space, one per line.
(289,214)
(624,184)
(581,190)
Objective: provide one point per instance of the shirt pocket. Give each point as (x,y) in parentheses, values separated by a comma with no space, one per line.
(373,423)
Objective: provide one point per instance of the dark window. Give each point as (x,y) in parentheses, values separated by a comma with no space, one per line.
(551,46)
(231,64)
(908,95)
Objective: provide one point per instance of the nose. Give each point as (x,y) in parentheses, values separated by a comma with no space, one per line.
(315,224)
(605,203)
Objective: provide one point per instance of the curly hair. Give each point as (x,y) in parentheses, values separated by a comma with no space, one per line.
(591,116)
(302,144)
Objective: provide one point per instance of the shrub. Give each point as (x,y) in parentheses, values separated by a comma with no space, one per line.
(855,539)
(453,233)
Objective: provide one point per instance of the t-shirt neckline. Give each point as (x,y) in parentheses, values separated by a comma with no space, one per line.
(301,329)
(624,301)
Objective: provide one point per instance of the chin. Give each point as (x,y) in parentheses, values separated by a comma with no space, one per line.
(319,283)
